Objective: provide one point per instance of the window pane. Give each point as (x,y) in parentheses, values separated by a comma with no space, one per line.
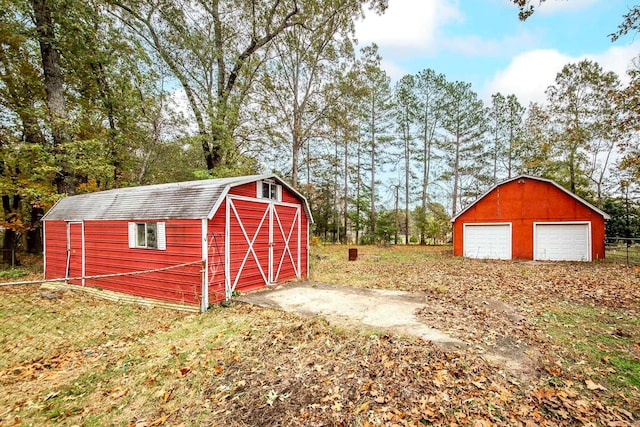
(141,235)
(274,192)
(266,190)
(152,239)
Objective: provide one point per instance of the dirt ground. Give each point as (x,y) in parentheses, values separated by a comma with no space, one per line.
(393,311)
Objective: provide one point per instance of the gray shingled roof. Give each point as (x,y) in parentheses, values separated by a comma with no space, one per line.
(189,200)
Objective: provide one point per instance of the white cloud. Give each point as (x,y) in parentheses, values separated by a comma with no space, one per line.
(530,73)
(617,59)
(394,71)
(407,24)
(477,46)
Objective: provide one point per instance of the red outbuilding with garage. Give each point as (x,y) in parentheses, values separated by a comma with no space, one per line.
(193,242)
(529,217)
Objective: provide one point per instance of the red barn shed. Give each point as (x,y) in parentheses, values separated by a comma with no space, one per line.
(203,239)
(528,217)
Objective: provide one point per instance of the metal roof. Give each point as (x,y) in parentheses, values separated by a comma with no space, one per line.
(535,178)
(189,200)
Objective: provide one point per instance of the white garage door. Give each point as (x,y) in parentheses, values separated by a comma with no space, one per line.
(562,242)
(491,241)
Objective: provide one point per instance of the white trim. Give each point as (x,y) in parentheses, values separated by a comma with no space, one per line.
(216,205)
(471,224)
(131,226)
(66,276)
(205,260)
(83,254)
(299,244)
(66,270)
(161,236)
(270,269)
(227,251)
(287,247)
(225,193)
(265,201)
(44,248)
(250,250)
(589,238)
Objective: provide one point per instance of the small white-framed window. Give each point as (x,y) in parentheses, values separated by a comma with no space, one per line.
(269,189)
(149,235)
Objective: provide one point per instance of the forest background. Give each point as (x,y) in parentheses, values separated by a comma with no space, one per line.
(88,102)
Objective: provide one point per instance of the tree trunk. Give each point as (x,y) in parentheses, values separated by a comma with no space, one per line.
(406,191)
(395,237)
(572,173)
(346,189)
(456,176)
(358,197)
(372,214)
(54,87)
(34,235)
(294,163)
(426,164)
(510,154)
(10,240)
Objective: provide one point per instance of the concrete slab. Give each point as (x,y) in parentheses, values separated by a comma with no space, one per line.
(377,308)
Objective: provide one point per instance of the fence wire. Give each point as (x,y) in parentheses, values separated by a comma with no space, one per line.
(623,250)
(44,327)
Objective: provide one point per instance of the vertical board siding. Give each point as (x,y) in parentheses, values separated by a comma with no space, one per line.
(245,190)
(216,251)
(304,245)
(75,252)
(285,226)
(299,238)
(248,255)
(55,249)
(107,250)
(524,203)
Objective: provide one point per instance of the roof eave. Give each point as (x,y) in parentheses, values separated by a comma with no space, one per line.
(535,178)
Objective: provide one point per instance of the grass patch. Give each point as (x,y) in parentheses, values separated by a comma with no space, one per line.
(598,343)
(13,273)
(78,360)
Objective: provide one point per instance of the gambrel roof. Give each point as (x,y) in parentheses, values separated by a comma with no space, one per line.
(188,200)
(535,178)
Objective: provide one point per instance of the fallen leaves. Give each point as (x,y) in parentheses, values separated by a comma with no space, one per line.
(593,386)
(252,366)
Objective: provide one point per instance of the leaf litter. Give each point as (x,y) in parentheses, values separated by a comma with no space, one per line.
(245,365)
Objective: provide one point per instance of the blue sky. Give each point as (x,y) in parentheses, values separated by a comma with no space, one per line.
(484,43)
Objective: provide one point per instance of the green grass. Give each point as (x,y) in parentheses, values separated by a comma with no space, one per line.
(77,360)
(13,273)
(597,342)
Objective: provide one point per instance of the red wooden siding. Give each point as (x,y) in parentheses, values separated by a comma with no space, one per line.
(250,190)
(75,252)
(55,248)
(246,190)
(248,250)
(216,250)
(523,202)
(107,251)
(285,242)
(268,253)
